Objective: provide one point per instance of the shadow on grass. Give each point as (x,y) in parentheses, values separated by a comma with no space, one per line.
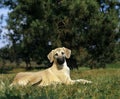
(7,70)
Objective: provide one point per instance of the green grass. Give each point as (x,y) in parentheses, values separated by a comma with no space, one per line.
(106,85)
(114,65)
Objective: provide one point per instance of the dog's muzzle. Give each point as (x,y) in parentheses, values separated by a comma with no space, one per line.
(60,60)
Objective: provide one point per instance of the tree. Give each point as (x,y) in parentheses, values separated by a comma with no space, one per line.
(77,24)
(28,29)
(89,32)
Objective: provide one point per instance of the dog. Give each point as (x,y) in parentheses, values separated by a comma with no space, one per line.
(58,73)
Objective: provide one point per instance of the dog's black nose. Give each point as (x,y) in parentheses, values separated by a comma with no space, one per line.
(61,60)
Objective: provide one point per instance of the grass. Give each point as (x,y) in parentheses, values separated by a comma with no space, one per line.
(114,65)
(106,85)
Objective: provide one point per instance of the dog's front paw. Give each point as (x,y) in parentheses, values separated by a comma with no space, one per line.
(83,81)
(87,82)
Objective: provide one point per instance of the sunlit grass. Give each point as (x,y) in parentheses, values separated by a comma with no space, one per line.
(106,85)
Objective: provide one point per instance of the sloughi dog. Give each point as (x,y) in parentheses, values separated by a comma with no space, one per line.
(58,73)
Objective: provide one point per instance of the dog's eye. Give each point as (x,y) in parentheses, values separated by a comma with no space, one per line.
(56,54)
(62,53)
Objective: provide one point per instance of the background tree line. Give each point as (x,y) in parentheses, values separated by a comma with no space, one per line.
(89,28)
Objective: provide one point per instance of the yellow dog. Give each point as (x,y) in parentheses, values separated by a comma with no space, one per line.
(59,72)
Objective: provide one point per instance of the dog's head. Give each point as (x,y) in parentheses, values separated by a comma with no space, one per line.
(58,55)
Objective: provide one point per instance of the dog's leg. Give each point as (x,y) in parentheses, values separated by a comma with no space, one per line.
(83,81)
(35,80)
(21,82)
(69,81)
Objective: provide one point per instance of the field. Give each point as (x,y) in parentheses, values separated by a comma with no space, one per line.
(106,85)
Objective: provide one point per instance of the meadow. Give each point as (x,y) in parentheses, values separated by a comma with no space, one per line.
(106,85)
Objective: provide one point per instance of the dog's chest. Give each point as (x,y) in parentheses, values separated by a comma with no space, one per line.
(63,74)
(66,71)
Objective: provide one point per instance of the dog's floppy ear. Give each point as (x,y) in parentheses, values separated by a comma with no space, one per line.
(67,52)
(50,56)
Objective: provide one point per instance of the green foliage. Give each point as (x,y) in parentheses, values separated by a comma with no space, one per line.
(117,51)
(105,85)
(76,24)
